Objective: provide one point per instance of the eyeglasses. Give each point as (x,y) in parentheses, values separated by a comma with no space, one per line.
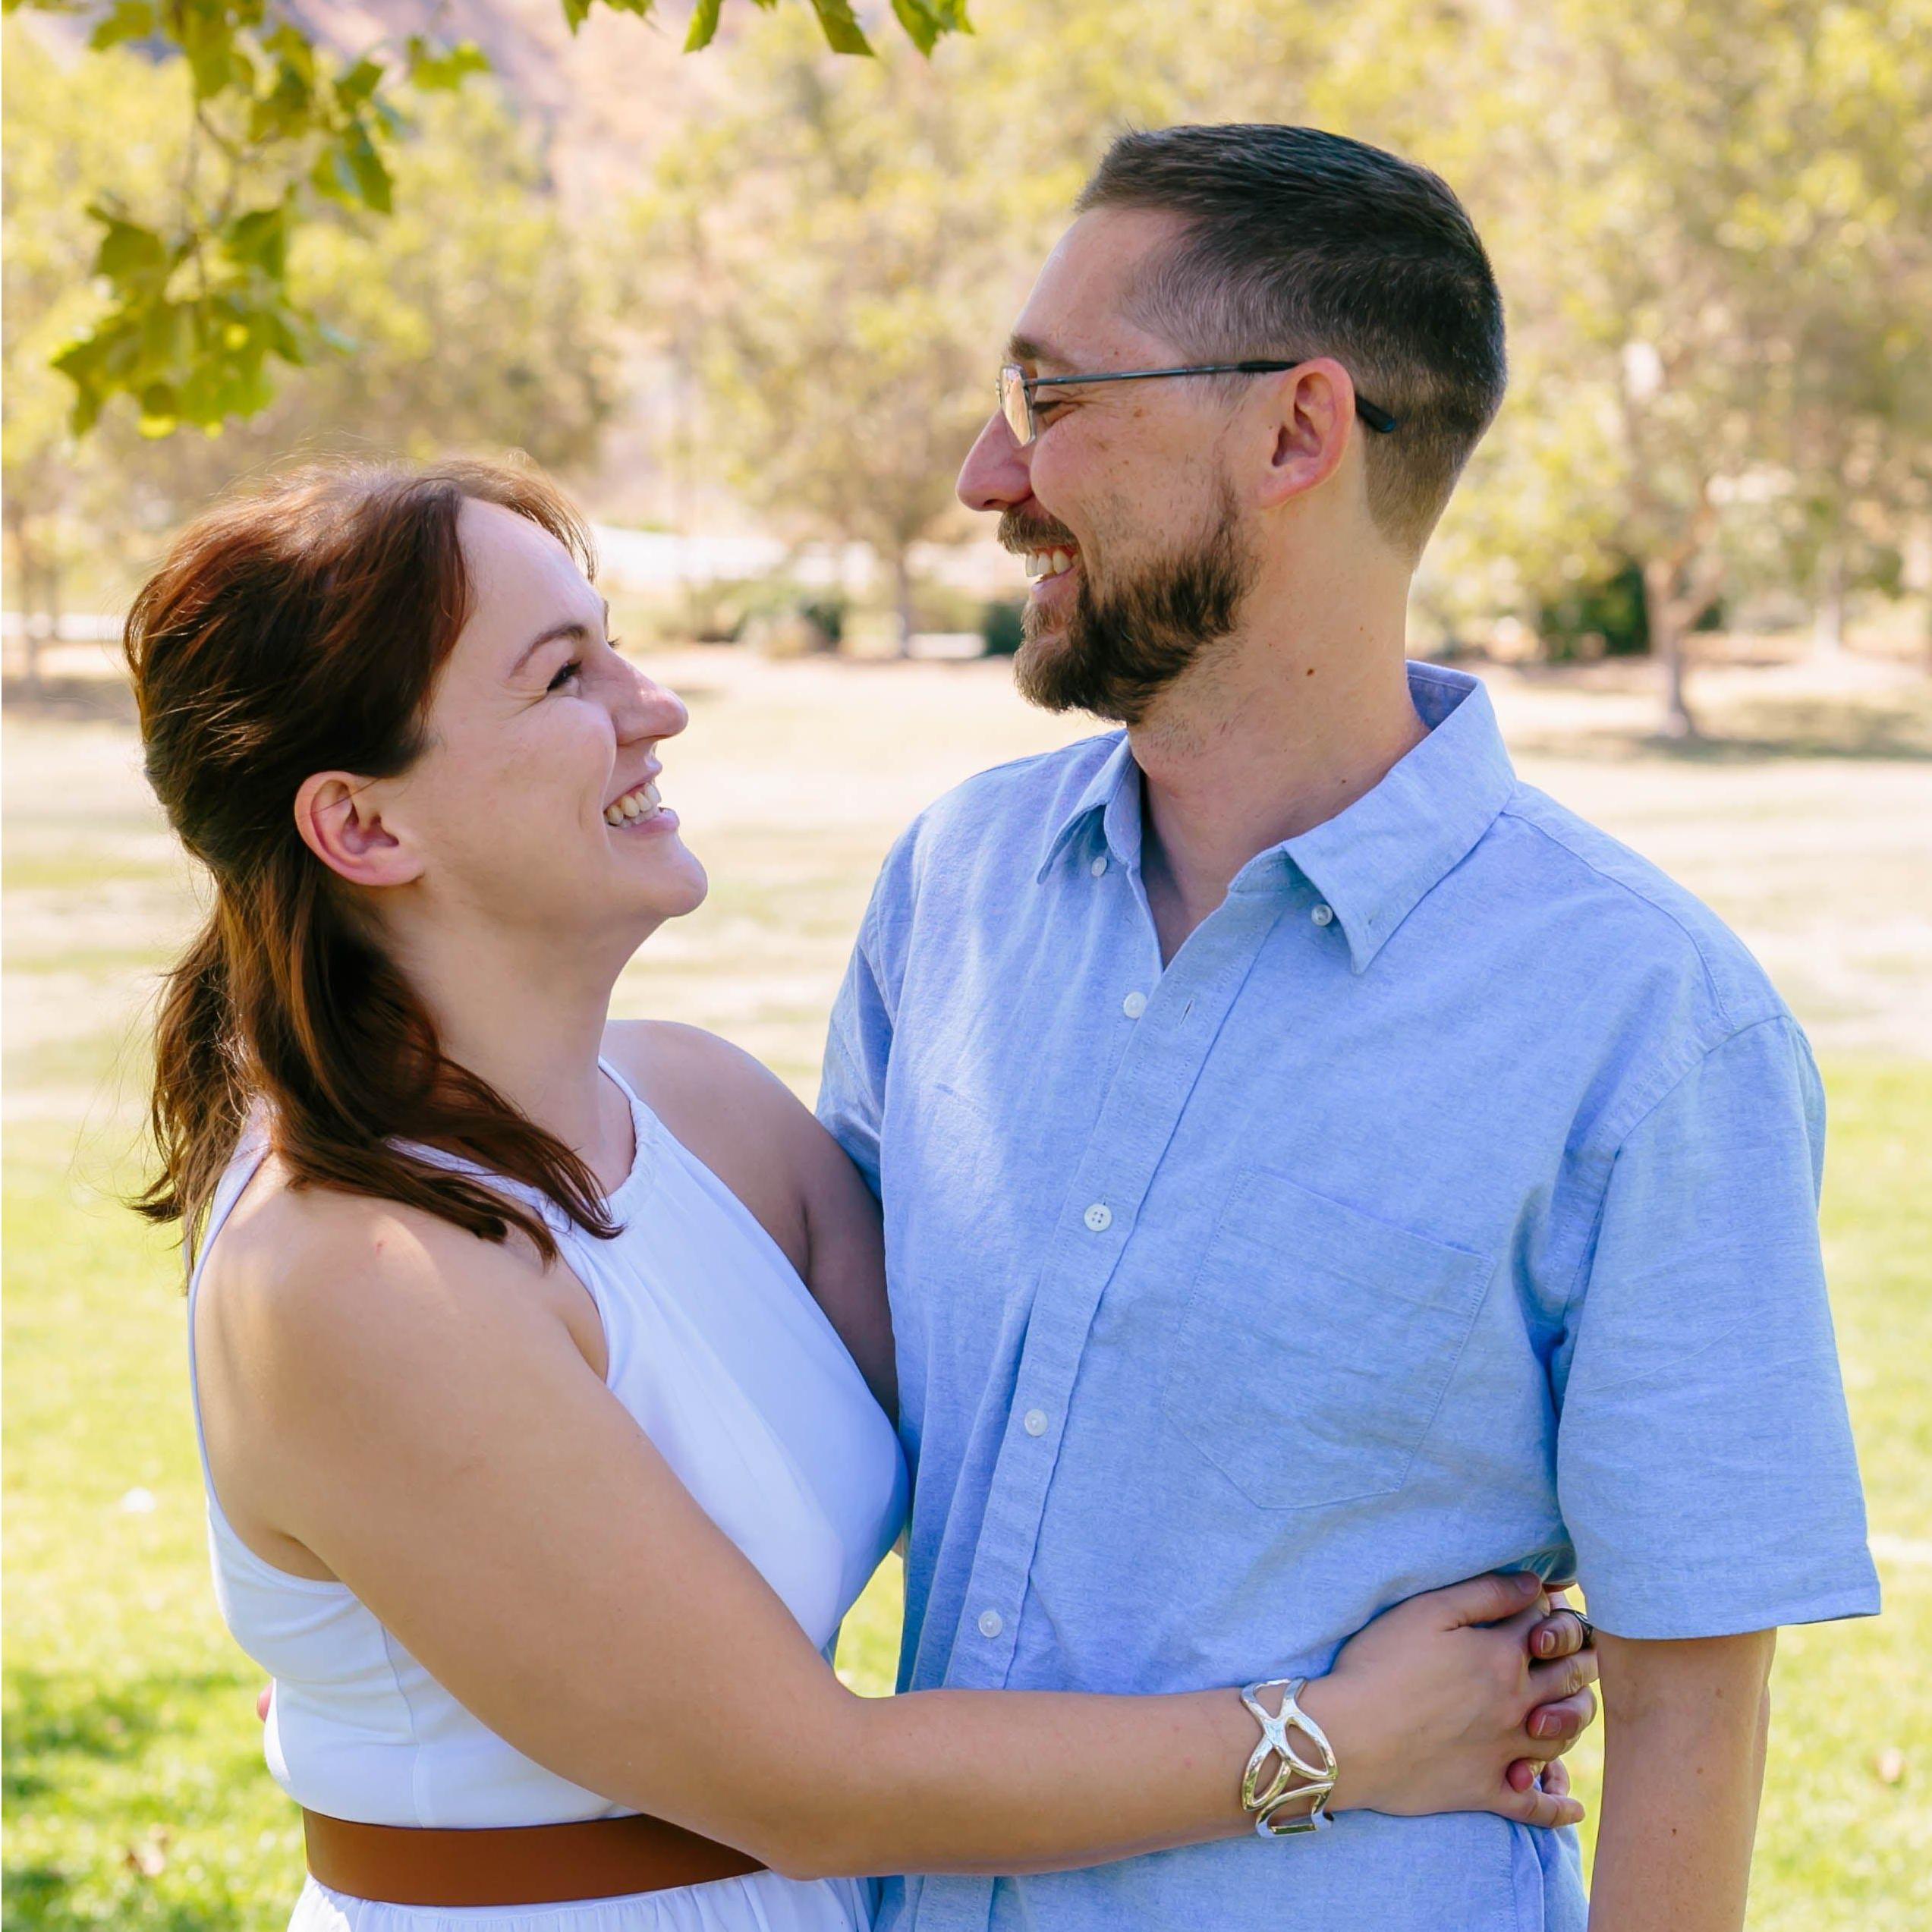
(1016,388)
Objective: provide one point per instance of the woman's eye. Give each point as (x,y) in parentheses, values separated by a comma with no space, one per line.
(574,668)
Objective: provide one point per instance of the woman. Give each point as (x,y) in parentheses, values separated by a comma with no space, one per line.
(540,1472)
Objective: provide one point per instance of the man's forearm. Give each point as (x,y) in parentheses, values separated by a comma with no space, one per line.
(1684,1733)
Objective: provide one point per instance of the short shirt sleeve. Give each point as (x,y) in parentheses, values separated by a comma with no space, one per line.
(1705,1465)
(858,1045)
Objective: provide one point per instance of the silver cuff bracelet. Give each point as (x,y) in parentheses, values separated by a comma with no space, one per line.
(1315,1781)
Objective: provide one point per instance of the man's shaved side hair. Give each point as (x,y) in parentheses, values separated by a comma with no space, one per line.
(1299,243)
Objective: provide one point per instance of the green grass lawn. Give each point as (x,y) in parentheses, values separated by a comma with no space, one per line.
(136,1794)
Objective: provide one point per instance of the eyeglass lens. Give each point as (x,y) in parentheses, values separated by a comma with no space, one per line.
(1013,404)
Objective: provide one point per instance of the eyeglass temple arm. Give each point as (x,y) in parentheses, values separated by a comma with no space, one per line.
(1377,419)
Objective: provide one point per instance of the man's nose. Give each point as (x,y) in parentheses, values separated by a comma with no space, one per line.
(995,475)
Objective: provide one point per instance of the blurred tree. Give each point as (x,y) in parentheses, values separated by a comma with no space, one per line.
(276,127)
(57,136)
(1716,253)
(825,286)
(836,264)
(479,316)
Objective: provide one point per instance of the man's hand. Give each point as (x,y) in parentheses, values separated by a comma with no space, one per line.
(1683,1769)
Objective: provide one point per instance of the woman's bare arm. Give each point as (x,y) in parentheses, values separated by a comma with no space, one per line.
(414,1414)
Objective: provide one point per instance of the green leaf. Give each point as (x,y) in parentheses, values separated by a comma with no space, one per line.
(167,337)
(207,39)
(443,68)
(260,239)
(130,256)
(350,170)
(576,12)
(354,87)
(373,186)
(918,20)
(131,20)
(843,34)
(290,47)
(704,25)
(160,411)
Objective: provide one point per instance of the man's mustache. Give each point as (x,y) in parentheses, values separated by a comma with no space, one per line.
(1024,536)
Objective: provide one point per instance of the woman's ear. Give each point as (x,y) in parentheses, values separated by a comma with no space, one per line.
(340,818)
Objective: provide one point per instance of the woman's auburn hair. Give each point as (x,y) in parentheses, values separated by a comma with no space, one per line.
(296,627)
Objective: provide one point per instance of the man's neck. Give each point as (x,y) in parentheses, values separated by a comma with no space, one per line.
(1257,747)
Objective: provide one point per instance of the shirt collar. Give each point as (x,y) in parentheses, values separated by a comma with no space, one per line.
(1114,792)
(1374,863)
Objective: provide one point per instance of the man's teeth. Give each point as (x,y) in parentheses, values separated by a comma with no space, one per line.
(1042,564)
(641,803)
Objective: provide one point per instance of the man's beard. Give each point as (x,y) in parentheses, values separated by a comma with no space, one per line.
(1112,654)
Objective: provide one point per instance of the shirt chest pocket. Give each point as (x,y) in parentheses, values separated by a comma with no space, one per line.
(1315,1345)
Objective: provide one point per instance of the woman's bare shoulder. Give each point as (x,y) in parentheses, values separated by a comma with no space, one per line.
(307,1274)
(734,1113)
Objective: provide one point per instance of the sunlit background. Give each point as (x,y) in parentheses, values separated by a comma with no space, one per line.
(748,304)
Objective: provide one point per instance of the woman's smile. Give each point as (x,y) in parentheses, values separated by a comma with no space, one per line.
(641,809)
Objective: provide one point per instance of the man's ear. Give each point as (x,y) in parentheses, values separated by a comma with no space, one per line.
(1312,429)
(340,818)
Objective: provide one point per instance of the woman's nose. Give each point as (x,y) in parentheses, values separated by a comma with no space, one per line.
(650,710)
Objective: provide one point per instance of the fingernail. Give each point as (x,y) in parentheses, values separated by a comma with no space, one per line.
(1546,1641)
(1528,1582)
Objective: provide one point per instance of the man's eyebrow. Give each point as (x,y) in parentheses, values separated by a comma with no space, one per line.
(577,633)
(1024,348)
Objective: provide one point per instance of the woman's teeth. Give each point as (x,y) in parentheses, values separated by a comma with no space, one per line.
(641,803)
(1043,564)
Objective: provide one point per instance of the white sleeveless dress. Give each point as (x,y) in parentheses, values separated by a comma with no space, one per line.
(719,1351)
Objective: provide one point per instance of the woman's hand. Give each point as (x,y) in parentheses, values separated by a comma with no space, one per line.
(1452,1700)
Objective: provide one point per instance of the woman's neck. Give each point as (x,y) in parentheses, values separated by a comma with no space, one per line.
(527,1015)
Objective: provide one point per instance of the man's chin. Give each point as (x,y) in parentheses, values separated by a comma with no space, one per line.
(1039,664)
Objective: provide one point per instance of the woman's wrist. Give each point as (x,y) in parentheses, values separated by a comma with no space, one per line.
(1334,1703)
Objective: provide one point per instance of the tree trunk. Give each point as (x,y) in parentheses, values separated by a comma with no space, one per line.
(1828,615)
(1669,622)
(902,597)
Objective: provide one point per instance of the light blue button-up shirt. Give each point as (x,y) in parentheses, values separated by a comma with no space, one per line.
(1447,1203)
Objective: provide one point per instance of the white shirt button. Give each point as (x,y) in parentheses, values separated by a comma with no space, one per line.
(1134,1005)
(1100,1217)
(1322,915)
(1035,1422)
(990,1625)
(1098,866)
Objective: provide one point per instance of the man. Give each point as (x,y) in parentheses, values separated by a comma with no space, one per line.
(1316,1166)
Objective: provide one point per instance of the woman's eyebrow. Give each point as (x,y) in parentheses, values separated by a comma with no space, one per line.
(574,629)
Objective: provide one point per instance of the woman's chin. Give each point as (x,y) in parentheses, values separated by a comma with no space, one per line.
(681,886)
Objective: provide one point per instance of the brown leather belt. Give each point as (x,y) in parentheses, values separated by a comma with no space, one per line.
(515,1864)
